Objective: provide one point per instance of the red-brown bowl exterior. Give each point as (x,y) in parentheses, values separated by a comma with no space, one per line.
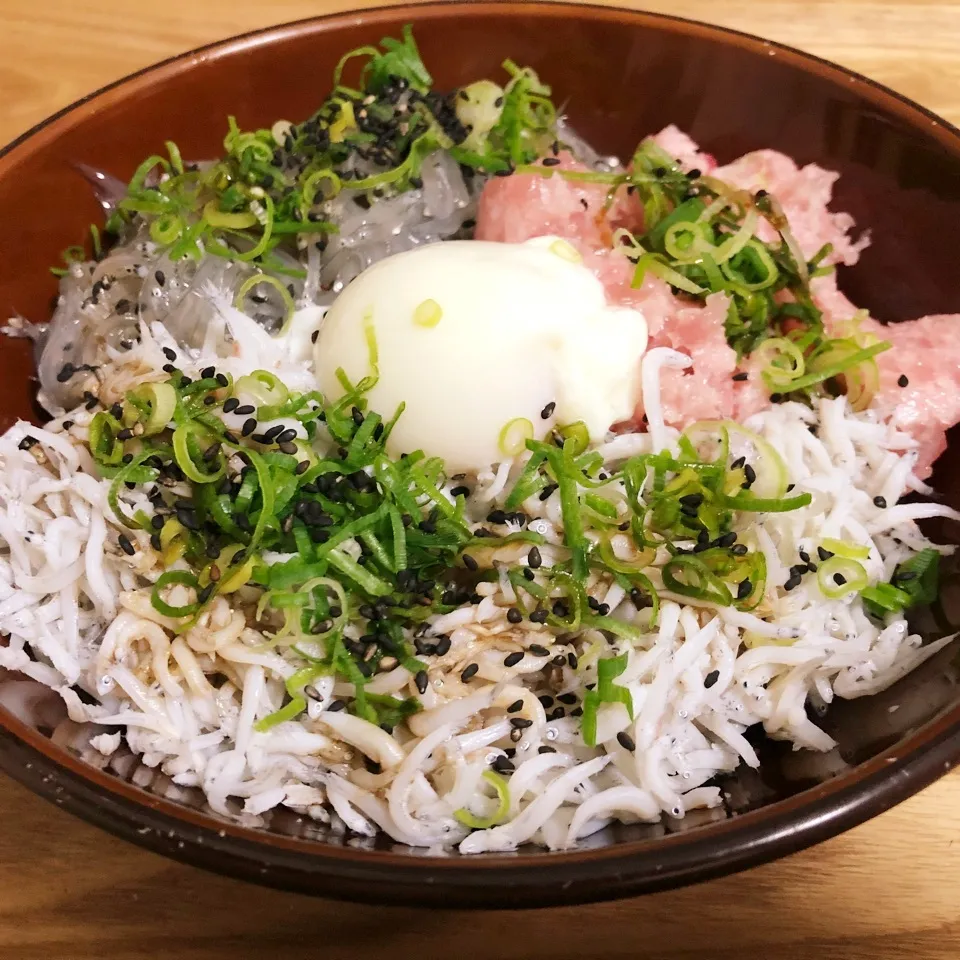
(623,74)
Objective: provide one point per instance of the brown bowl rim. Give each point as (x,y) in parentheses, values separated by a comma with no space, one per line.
(492,880)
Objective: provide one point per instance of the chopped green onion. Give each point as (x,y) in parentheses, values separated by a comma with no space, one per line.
(838,576)
(290,711)
(846,549)
(288,303)
(191,446)
(427,314)
(171,578)
(690,577)
(606,691)
(160,400)
(514,436)
(502,789)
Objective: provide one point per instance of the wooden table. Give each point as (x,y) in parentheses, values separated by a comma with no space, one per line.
(885,891)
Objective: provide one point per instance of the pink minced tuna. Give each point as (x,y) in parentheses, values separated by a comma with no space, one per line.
(925,354)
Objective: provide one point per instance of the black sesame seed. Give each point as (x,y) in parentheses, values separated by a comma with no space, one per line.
(738,463)
(168,368)
(839,579)
(626,741)
(750,473)
(512,659)
(288,448)
(792,582)
(538,650)
(248,427)
(469,671)
(740,377)
(460,491)
(125,545)
(221,378)
(726,540)
(515,706)
(538,616)
(711,678)
(155,541)
(27,442)
(550,161)
(547,492)
(528,574)
(503,765)
(692,499)
(520,723)
(546,701)
(421,681)
(336,706)
(207,373)
(230,404)
(744,589)
(568,698)
(471,564)
(823,554)
(514,615)
(573,660)
(903,380)
(188,518)
(245,410)
(777,398)
(544,748)
(547,412)
(880,502)
(534,559)
(171,355)
(803,555)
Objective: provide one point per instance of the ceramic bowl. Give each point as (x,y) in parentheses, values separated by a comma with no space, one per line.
(622,75)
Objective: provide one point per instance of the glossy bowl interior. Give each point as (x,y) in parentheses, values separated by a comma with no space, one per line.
(623,75)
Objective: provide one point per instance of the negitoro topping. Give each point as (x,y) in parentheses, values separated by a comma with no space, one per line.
(702,236)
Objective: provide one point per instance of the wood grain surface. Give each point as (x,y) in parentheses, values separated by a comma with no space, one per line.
(885,891)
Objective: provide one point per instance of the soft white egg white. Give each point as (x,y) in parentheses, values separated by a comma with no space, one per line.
(472,336)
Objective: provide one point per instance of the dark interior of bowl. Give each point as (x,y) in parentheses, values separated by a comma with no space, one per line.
(622,75)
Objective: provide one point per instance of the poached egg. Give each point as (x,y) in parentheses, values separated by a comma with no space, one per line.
(485,344)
